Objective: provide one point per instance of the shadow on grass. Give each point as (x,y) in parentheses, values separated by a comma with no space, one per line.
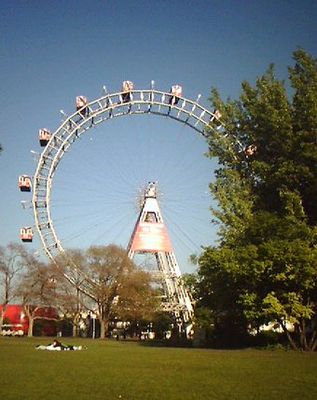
(263,341)
(182,343)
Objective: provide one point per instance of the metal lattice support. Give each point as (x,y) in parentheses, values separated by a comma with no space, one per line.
(107,107)
(177,299)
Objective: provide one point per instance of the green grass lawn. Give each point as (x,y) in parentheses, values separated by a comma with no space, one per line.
(132,371)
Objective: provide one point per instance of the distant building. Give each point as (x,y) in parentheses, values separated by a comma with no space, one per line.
(16,323)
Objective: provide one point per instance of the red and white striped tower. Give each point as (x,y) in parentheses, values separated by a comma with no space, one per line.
(150,236)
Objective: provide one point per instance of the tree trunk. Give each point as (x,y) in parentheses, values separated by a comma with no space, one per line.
(30,319)
(75,323)
(313,341)
(2,317)
(104,324)
(313,346)
(303,336)
(74,331)
(289,337)
(31,324)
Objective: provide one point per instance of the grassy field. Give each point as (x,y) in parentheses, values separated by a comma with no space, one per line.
(132,371)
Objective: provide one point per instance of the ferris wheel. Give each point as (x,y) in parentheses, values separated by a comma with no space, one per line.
(90,114)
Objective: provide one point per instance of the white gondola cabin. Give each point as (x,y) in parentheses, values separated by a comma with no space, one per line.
(176,91)
(25,183)
(26,234)
(127,86)
(44,136)
(81,103)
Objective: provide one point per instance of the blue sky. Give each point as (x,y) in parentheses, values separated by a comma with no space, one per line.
(52,51)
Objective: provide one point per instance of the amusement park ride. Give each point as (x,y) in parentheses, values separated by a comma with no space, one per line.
(150,233)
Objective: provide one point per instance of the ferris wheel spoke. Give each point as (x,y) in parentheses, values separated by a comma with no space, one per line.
(92,183)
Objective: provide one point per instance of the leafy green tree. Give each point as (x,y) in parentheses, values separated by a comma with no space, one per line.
(265,266)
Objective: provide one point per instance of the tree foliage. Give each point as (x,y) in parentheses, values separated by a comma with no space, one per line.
(69,301)
(121,290)
(265,266)
(36,289)
(125,291)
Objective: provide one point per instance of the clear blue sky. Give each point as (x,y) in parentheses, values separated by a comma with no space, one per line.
(52,51)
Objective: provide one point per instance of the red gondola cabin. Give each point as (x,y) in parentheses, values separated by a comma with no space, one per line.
(26,234)
(25,183)
(127,86)
(250,150)
(81,103)
(176,91)
(217,114)
(44,136)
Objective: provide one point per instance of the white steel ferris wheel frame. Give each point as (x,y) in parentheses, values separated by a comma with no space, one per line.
(148,101)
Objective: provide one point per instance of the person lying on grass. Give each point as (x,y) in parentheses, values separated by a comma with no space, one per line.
(57,346)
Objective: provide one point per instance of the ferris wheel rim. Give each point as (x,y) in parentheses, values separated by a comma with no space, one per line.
(107,107)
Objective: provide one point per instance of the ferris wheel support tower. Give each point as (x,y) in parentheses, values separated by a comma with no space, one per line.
(150,236)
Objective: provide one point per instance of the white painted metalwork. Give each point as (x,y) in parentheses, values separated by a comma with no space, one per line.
(147,101)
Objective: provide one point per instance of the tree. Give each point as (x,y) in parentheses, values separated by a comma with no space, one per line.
(137,299)
(121,290)
(36,289)
(72,304)
(265,266)
(10,266)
